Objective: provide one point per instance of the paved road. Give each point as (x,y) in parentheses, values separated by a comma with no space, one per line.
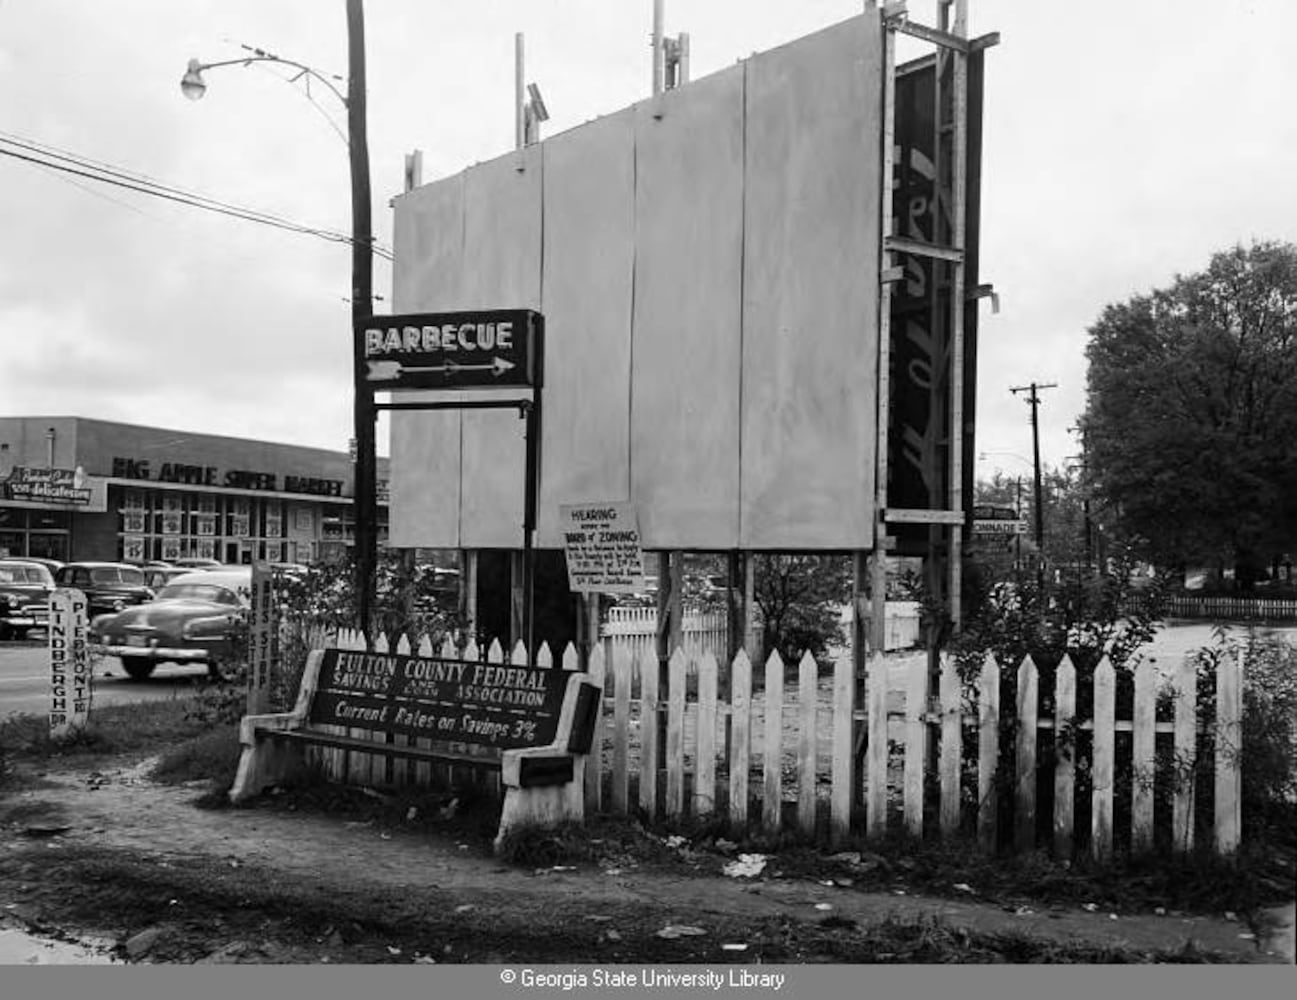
(24,680)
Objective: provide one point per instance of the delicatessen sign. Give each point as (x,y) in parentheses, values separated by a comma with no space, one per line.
(490,704)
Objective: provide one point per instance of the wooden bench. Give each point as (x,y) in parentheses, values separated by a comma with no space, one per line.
(537,724)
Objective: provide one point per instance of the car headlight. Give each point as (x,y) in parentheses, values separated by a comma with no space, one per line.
(13,602)
(212,627)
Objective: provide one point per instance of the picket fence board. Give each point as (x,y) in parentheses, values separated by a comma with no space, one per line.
(842,776)
(1024,833)
(594,769)
(1144,759)
(623,677)
(1103,769)
(1185,687)
(675,758)
(772,743)
(648,733)
(876,750)
(916,747)
(706,725)
(952,737)
(807,742)
(1229,714)
(740,739)
(988,752)
(1064,760)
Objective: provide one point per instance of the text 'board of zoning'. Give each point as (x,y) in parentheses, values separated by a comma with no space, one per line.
(602,544)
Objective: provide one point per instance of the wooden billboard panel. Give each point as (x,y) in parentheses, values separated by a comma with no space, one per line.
(810,335)
(588,280)
(687,322)
(709,282)
(425,445)
(502,220)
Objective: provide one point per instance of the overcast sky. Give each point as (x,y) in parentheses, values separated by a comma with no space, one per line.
(1123,144)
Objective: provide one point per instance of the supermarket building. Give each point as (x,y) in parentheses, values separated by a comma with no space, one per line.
(76,488)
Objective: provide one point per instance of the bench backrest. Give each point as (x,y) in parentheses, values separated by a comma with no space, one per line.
(460,701)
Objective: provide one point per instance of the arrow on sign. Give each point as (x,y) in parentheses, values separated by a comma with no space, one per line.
(383,371)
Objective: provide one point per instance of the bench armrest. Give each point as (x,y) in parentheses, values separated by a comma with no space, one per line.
(278,721)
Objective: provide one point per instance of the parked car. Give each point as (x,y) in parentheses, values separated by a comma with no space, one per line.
(197,562)
(196,618)
(108,586)
(50,564)
(25,588)
(157,577)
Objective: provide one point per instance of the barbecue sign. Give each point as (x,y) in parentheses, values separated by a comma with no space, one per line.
(494,347)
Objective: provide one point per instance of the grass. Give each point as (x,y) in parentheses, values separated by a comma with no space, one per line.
(195,737)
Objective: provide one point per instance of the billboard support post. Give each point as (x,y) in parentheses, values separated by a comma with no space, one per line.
(430,351)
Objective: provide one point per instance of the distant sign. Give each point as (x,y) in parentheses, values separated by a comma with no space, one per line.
(494,347)
(989,526)
(49,485)
(602,544)
(70,673)
(463,701)
(989,512)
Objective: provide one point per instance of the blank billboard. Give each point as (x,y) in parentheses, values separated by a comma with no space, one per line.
(706,262)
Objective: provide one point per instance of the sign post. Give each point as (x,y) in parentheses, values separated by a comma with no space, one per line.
(481,349)
(71,677)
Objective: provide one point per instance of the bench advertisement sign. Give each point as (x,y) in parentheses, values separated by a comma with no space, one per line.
(487,704)
(449,350)
(602,544)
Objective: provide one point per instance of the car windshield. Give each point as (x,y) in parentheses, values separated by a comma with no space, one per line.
(24,574)
(117,574)
(197,592)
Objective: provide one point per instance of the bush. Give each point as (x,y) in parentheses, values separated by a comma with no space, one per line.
(1269,725)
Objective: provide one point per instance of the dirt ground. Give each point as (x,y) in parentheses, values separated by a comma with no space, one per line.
(101,851)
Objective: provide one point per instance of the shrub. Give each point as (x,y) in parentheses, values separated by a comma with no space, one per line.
(1269,724)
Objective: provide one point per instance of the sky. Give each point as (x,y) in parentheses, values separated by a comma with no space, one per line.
(1123,145)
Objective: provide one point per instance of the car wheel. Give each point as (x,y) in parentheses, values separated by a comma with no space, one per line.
(4,632)
(138,667)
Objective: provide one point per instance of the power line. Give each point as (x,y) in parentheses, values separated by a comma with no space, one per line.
(63,161)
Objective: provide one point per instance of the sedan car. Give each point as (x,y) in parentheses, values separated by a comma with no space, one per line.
(157,577)
(197,618)
(25,589)
(107,586)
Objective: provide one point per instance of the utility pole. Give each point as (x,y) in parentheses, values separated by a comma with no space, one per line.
(1034,401)
(362,307)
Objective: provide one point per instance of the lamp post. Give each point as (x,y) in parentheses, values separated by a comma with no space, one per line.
(362,274)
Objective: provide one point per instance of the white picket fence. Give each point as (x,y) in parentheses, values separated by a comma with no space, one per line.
(765,753)
(633,632)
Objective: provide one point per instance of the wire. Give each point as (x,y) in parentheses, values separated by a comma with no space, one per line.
(63,161)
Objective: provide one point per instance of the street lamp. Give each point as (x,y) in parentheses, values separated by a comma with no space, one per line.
(194,87)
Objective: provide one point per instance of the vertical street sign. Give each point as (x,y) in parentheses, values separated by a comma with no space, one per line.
(263,639)
(70,672)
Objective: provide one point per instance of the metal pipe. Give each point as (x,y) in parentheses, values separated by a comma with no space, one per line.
(519,95)
(658,61)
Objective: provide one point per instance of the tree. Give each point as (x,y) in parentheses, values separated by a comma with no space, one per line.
(1192,413)
(800,598)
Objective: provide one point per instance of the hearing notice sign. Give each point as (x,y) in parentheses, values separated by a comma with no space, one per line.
(602,544)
